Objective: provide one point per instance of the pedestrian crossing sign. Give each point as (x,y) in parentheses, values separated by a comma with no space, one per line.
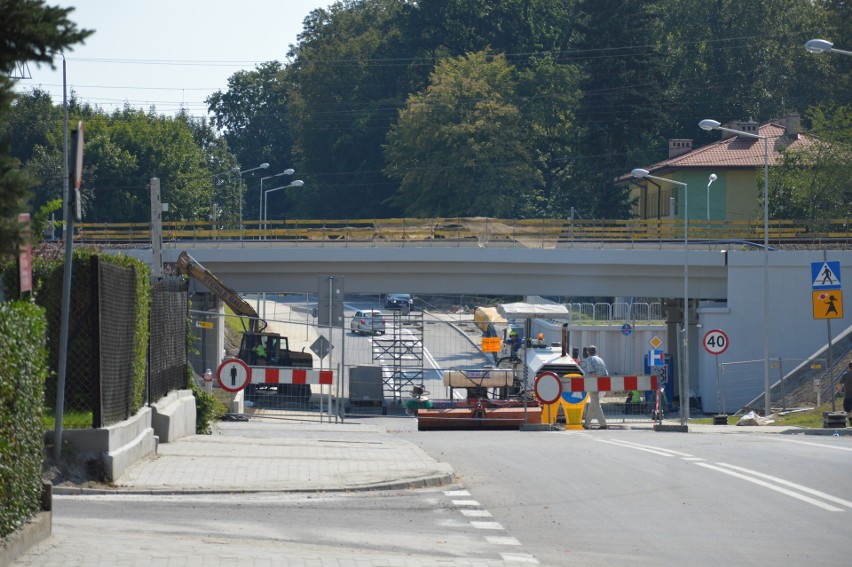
(825,275)
(828,304)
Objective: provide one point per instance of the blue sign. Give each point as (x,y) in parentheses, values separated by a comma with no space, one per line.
(825,275)
(574,397)
(626,329)
(656,357)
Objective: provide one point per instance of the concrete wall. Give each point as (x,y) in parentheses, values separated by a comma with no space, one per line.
(793,331)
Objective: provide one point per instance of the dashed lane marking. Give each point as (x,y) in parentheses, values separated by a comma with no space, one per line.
(519,558)
(475,513)
(465,503)
(487,525)
(502,540)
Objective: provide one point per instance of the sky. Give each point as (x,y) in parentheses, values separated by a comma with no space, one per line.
(171,54)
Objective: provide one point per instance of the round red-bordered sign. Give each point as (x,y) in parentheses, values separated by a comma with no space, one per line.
(548,387)
(715,341)
(233,375)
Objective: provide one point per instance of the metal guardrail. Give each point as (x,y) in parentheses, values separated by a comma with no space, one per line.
(537,233)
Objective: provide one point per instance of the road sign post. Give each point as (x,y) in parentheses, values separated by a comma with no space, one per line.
(716,342)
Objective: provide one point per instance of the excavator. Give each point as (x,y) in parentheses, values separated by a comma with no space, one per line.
(257,347)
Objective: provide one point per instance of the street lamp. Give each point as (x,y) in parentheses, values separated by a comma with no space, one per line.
(714,125)
(710,181)
(260,204)
(294,183)
(684,378)
(264,165)
(823,46)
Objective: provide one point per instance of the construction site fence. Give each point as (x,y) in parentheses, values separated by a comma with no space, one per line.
(793,383)
(376,374)
(479,231)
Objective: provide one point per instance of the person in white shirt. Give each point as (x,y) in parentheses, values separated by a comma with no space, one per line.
(595,366)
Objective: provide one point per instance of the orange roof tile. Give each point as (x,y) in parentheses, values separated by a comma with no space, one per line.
(734,152)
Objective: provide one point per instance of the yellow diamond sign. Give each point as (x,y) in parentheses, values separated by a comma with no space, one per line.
(656,342)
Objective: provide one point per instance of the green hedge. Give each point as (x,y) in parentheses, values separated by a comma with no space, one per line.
(47,292)
(23,369)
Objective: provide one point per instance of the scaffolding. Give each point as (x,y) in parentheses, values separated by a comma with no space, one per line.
(400,351)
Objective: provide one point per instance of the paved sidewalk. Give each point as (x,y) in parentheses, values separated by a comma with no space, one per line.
(268,454)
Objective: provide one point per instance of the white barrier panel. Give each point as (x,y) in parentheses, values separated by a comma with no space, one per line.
(266,375)
(609,383)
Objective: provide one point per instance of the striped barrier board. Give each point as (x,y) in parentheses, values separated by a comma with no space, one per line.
(278,375)
(609,383)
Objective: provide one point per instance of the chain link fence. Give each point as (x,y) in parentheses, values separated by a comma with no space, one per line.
(793,382)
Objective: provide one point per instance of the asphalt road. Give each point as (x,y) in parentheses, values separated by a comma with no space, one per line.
(636,498)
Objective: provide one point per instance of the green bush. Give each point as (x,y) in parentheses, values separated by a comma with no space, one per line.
(207,408)
(23,369)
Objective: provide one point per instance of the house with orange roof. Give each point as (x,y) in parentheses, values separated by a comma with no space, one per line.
(736,161)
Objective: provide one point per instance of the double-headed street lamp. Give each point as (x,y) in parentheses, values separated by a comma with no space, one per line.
(264,165)
(294,183)
(824,46)
(714,125)
(260,203)
(684,378)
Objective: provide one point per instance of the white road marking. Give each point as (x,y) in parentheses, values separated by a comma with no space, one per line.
(692,459)
(452,493)
(771,486)
(651,447)
(805,489)
(502,540)
(822,445)
(465,503)
(519,558)
(654,451)
(487,525)
(475,513)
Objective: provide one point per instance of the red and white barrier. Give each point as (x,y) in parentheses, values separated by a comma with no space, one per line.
(264,375)
(609,383)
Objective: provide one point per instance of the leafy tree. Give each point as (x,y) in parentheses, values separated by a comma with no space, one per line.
(460,148)
(29,31)
(812,183)
(253,116)
(622,106)
(351,72)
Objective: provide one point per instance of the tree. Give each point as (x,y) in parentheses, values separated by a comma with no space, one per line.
(29,31)
(813,183)
(253,116)
(622,106)
(460,148)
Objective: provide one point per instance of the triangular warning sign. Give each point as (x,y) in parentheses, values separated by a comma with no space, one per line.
(826,275)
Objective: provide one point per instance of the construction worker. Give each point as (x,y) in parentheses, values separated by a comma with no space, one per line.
(595,366)
(514,343)
(259,351)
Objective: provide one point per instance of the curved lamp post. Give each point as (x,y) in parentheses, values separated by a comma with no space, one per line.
(260,204)
(714,125)
(713,177)
(294,183)
(264,165)
(684,378)
(824,46)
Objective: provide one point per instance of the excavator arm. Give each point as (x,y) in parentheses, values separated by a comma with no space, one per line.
(189,266)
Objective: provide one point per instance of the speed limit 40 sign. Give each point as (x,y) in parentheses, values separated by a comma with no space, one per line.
(715,341)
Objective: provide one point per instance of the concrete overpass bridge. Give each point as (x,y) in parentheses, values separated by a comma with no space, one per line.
(725,286)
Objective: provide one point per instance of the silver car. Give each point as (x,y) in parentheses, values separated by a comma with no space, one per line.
(369,321)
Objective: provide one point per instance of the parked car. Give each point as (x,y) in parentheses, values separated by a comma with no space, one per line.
(399,300)
(369,321)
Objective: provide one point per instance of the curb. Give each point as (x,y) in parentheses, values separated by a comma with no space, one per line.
(432,481)
(19,542)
